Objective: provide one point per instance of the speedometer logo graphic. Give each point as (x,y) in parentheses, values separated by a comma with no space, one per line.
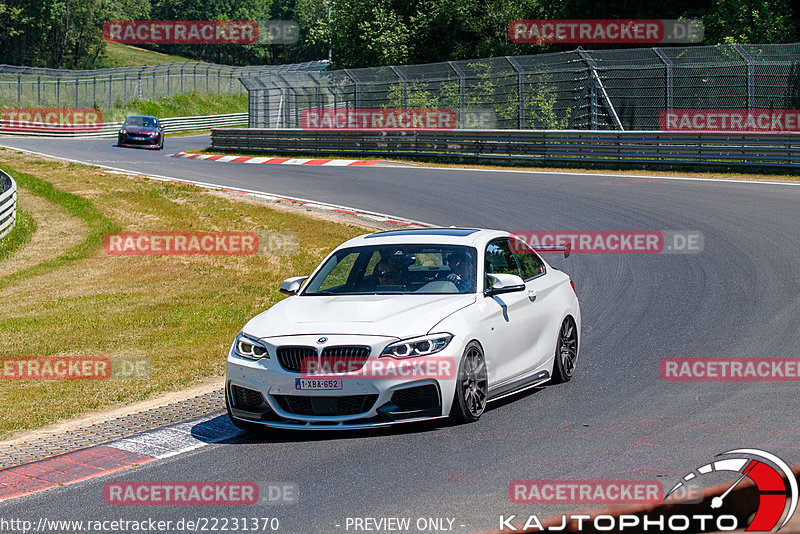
(772,491)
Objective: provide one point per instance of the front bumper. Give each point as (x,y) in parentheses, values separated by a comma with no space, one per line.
(264,391)
(143,142)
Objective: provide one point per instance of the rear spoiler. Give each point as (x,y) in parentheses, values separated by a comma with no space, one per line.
(566,249)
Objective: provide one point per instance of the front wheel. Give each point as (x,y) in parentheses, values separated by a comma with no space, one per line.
(472,386)
(566,351)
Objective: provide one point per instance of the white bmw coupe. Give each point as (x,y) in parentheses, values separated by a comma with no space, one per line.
(404,326)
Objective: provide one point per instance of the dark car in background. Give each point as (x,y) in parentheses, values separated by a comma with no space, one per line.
(141,130)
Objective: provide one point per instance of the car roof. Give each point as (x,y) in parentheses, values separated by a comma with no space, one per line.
(474,237)
(141,116)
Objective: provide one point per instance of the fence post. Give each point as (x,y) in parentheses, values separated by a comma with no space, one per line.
(668,78)
(462,92)
(154,83)
(39,89)
(404,85)
(58,91)
(356,88)
(598,84)
(749,59)
(19,91)
(182,65)
(125,87)
(521,75)
(77,81)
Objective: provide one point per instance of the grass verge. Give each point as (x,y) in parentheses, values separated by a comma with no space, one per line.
(19,236)
(176,315)
(186,105)
(120,55)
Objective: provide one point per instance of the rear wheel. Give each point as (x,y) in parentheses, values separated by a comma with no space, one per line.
(566,351)
(472,386)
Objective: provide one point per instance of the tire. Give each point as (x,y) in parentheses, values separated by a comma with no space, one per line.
(472,386)
(247,426)
(566,352)
(161,146)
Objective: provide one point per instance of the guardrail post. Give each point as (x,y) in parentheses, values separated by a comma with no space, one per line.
(668,76)
(521,90)
(749,59)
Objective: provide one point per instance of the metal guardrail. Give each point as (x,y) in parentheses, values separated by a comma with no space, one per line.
(655,149)
(110,129)
(8,204)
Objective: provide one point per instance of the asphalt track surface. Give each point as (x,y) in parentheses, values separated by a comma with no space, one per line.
(617,419)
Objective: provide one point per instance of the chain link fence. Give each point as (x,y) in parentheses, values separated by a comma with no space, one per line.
(624,89)
(29,87)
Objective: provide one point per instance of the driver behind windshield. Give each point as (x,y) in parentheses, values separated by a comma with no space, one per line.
(461,270)
(389,274)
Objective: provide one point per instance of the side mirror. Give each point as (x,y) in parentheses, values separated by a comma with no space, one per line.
(291,286)
(504,283)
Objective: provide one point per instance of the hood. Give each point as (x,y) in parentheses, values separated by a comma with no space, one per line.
(400,316)
(140,129)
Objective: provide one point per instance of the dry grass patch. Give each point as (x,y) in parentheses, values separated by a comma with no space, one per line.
(178,314)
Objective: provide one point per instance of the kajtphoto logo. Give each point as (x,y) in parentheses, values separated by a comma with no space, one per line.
(760,473)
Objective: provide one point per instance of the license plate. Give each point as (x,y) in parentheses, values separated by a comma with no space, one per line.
(315,384)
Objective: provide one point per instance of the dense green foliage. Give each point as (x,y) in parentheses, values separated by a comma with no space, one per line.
(361,33)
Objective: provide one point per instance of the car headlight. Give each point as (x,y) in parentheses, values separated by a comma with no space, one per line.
(418,346)
(122,131)
(249,347)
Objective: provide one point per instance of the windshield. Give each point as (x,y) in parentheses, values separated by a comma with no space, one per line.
(147,122)
(397,269)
